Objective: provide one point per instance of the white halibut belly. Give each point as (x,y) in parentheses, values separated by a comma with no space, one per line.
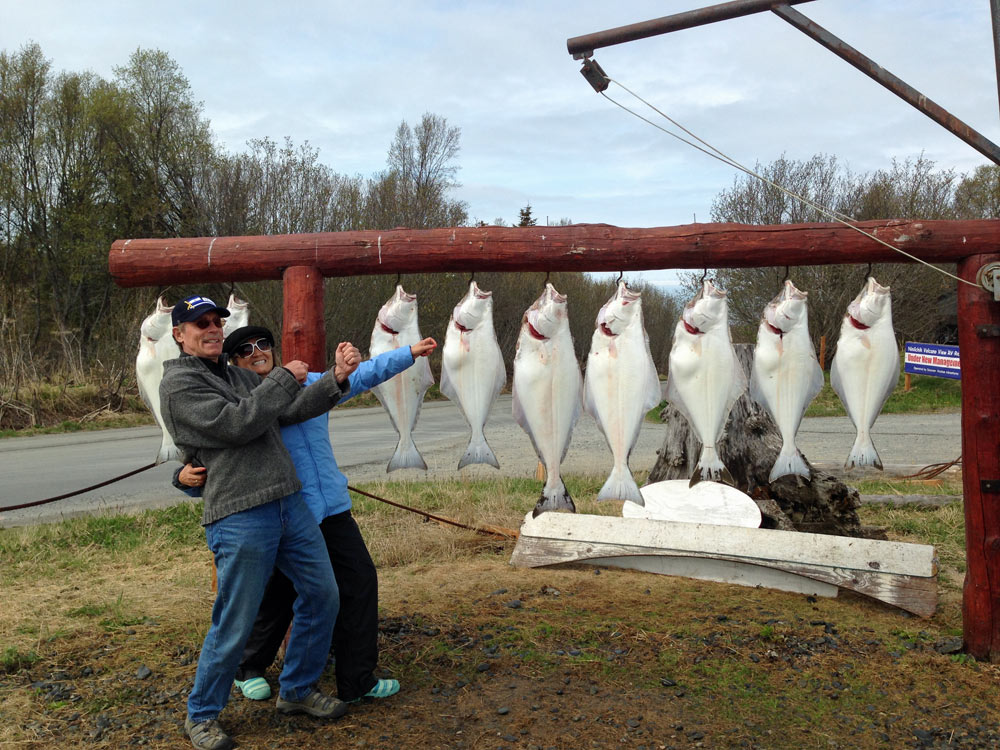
(547,392)
(864,370)
(702,376)
(473,371)
(616,395)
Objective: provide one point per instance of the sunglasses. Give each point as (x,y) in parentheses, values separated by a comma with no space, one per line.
(246,350)
(204,323)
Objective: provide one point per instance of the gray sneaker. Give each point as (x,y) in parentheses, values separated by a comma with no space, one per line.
(207,735)
(315,704)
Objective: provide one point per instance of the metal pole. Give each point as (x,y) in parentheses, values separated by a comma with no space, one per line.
(995,13)
(896,85)
(584,46)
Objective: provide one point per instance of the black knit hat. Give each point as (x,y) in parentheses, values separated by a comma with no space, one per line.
(241,335)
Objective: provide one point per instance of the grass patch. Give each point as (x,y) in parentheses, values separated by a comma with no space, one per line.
(88,602)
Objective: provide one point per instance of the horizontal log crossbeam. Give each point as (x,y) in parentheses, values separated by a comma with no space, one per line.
(578,247)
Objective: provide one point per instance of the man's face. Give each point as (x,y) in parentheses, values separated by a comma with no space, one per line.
(202,337)
(250,357)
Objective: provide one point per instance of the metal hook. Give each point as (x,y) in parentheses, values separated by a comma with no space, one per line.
(399,278)
(619,279)
(472,277)
(544,283)
(702,280)
(869,273)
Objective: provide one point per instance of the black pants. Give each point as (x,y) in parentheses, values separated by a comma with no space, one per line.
(355,634)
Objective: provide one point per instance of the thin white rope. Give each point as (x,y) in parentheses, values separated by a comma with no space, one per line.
(715,153)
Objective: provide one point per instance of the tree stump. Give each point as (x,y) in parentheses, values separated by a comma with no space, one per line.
(749,447)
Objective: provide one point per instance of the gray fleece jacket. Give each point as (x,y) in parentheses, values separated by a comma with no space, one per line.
(231,427)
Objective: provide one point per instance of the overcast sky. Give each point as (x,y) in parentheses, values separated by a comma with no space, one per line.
(344,75)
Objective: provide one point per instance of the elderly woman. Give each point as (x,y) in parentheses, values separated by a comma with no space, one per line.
(324,488)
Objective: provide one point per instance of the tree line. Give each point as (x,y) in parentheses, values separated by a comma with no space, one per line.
(923,299)
(86,160)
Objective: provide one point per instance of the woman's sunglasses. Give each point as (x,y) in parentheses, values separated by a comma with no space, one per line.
(246,350)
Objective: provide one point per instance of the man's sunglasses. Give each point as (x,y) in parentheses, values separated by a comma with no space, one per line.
(204,323)
(246,350)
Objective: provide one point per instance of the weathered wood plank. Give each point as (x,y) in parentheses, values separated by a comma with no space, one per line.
(899,574)
(579,247)
(850,553)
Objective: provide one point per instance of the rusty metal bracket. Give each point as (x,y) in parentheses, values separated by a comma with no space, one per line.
(595,75)
(989,485)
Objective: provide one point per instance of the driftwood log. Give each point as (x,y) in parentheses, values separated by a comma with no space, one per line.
(751,443)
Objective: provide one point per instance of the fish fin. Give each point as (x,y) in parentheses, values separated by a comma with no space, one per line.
(620,485)
(791,462)
(863,453)
(479,452)
(739,384)
(499,375)
(518,410)
(426,376)
(168,452)
(653,392)
(816,384)
(572,423)
(406,457)
(448,388)
(710,468)
(556,498)
(589,402)
(674,397)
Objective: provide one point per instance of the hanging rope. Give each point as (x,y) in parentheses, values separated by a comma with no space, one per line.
(77,492)
(496,531)
(710,150)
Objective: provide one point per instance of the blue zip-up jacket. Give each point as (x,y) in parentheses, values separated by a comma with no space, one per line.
(324,486)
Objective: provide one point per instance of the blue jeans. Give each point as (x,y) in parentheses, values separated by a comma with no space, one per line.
(247,546)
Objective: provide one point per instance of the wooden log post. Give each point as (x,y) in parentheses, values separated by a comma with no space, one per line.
(303,333)
(979,343)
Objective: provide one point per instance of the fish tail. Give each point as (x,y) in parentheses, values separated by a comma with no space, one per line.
(789,462)
(710,468)
(168,452)
(479,452)
(621,486)
(554,498)
(863,453)
(406,457)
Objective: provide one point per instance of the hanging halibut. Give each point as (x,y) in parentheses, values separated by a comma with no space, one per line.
(401,395)
(620,386)
(156,346)
(472,369)
(865,368)
(547,385)
(705,378)
(786,375)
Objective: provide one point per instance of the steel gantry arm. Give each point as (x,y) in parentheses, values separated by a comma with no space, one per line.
(584,46)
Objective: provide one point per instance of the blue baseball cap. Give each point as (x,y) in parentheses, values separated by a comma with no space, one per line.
(193,307)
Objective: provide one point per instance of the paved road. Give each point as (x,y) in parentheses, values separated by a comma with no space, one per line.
(34,468)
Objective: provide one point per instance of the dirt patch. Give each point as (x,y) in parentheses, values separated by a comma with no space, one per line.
(495,657)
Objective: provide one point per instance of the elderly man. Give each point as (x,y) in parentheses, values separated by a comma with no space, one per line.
(226,419)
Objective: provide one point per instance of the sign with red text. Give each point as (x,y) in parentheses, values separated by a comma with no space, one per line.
(940,360)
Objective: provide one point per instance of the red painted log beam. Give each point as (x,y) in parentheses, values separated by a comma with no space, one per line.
(979,343)
(580,247)
(303,334)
